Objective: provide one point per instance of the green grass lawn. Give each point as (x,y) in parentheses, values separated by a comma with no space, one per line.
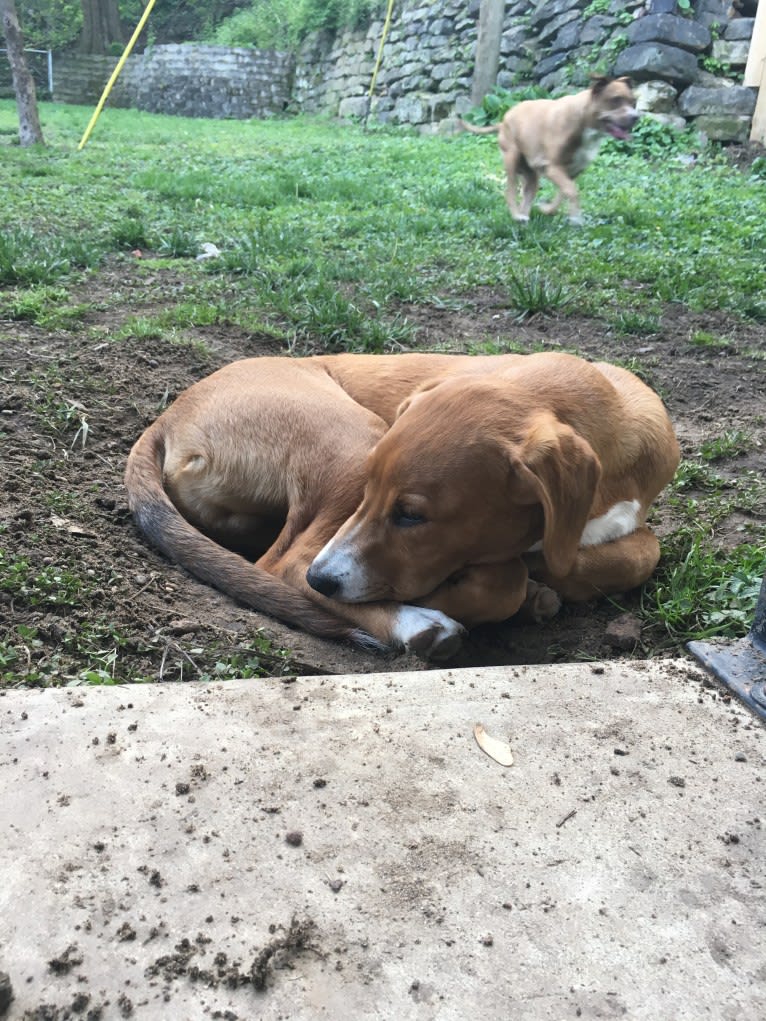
(329,236)
(308,205)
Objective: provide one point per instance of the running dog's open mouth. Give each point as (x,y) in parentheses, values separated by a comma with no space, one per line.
(616,130)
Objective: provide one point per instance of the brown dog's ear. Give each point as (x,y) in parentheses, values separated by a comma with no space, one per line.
(598,82)
(418,392)
(562,470)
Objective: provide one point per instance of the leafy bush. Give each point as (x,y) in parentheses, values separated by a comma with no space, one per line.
(49,24)
(281,24)
(496,104)
(654,140)
(268,27)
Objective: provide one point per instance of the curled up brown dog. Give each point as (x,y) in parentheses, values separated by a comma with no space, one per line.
(558,139)
(395,500)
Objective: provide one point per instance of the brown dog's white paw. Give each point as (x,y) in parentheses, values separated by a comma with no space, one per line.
(428,633)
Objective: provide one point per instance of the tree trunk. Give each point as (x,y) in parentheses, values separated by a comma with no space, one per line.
(100,26)
(30,132)
(487,49)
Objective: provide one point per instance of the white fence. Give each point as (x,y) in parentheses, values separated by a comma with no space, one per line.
(40,65)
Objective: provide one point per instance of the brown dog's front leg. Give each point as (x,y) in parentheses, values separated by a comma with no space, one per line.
(481,593)
(568,189)
(617,566)
(427,632)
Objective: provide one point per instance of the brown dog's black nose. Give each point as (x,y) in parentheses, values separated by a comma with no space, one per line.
(324,584)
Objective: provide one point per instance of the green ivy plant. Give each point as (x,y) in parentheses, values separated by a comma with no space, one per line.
(496,104)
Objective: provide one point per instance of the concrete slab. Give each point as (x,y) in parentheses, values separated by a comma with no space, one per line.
(340,847)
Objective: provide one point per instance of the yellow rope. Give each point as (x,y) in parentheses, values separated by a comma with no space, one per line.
(386,26)
(115,73)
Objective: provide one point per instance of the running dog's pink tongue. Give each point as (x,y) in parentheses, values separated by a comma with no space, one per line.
(617,132)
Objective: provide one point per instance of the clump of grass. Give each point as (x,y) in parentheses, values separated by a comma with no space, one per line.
(320,316)
(198,313)
(35,304)
(130,233)
(501,347)
(703,338)
(533,292)
(178,242)
(693,475)
(638,368)
(701,592)
(45,586)
(141,328)
(730,444)
(637,324)
(27,258)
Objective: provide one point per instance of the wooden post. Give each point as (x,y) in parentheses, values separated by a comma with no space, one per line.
(487,48)
(755,74)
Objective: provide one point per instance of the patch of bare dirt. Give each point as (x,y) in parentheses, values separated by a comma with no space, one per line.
(73,402)
(742,156)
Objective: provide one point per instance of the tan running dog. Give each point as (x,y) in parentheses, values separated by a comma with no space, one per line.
(393,499)
(558,138)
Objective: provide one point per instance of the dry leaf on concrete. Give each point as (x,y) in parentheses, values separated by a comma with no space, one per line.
(498,750)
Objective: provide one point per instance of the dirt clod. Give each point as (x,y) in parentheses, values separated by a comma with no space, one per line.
(280,951)
(126,933)
(63,964)
(623,633)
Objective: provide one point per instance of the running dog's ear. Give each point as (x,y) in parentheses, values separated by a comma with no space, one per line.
(598,82)
(559,469)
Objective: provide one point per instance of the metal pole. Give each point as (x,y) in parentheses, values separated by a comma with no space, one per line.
(50,73)
(741,665)
(758,630)
(115,74)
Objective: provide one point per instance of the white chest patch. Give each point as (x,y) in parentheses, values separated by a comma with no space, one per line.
(589,147)
(619,520)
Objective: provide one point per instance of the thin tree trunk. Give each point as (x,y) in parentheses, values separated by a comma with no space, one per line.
(30,132)
(100,26)
(487,60)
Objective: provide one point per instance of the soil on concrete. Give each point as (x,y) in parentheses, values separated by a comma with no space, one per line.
(74,400)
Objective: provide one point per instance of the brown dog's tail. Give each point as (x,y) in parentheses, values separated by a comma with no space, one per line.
(168,531)
(490,129)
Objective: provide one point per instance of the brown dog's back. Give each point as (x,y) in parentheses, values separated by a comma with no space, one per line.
(167,530)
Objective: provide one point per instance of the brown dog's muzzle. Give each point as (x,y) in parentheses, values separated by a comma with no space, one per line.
(620,126)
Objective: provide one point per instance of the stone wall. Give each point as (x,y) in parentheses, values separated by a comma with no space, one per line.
(685,68)
(190,81)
